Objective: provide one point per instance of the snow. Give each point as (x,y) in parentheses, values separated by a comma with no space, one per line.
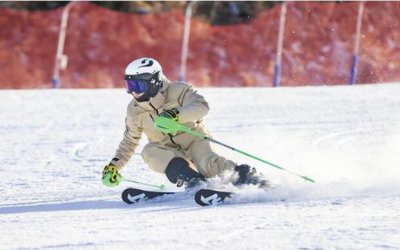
(54,144)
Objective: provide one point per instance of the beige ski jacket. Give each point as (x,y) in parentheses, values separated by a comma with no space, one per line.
(141,115)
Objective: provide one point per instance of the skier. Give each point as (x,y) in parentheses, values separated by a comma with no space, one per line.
(183,158)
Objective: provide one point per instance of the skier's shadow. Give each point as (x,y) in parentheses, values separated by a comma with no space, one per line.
(61,206)
(89,205)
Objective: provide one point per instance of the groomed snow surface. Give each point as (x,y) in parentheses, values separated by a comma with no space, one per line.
(55,143)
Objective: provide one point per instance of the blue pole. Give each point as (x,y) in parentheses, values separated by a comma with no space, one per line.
(354,71)
(279,46)
(277,75)
(55,83)
(185,41)
(354,61)
(59,59)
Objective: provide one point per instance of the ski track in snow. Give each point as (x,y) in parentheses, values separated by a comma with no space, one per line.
(55,143)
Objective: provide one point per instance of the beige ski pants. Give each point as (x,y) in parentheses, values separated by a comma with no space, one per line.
(199,154)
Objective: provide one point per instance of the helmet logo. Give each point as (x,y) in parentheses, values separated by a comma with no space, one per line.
(149,63)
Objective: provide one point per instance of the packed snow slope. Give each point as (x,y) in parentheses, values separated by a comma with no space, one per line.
(54,144)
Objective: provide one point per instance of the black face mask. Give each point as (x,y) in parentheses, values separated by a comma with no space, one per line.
(153,85)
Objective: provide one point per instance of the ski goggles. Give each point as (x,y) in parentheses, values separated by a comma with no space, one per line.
(136,85)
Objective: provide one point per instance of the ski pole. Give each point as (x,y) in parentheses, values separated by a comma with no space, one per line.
(145,184)
(167,125)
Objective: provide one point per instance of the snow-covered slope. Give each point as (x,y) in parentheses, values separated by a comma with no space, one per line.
(54,144)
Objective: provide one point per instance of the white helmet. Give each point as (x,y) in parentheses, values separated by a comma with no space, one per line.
(142,66)
(144,75)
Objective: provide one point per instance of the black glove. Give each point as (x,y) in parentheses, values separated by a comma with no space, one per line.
(171,114)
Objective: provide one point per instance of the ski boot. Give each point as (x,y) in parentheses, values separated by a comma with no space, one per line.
(248,175)
(179,173)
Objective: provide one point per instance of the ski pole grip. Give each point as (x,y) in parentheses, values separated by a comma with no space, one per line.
(166,125)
